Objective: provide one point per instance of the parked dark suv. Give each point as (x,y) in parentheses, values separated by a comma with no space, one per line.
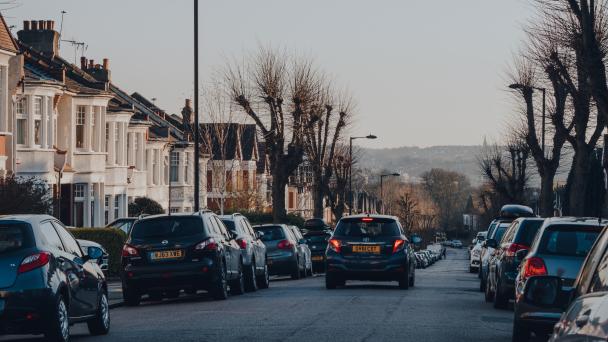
(369,247)
(168,253)
(47,283)
(503,265)
(317,233)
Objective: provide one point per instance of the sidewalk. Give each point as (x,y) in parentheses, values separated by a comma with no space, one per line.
(114,292)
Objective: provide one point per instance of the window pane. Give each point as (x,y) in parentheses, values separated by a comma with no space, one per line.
(51,239)
(37,132)
(21,131)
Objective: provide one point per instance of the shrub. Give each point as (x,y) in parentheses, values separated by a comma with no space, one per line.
(25,195)
(145,205)
(111,239)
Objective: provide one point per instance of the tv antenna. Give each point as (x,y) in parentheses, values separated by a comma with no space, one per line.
(82,46)
(61,27)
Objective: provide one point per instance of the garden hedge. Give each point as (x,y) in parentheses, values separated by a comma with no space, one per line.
(111,239)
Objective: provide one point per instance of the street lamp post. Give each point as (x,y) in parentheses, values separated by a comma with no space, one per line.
(382,190)
(197,189)
(544,91)
(350,170)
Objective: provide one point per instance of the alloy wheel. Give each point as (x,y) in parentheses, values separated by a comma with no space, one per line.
(62,316)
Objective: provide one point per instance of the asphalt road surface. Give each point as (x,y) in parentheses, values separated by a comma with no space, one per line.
(445,305)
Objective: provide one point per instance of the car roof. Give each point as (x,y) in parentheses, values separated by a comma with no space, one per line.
(579,221)
(230,216)
(199,213)
(270,225)
(29,218)
(370,215)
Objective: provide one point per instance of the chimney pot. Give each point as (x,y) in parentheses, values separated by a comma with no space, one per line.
(83,62)
(188,103)
(106,64)
(91,63)
(26,25)
(34,25)
(97,66)
(41,25)
(50,25)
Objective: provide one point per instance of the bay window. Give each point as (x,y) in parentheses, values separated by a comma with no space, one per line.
(80,122)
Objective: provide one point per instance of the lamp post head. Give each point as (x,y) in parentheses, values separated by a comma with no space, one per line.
(396,174)
(516,86)
(371,136)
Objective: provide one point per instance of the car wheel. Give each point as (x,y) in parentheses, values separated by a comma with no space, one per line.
(331,281)
(309,271)
(172,294)
(488,294)
(190,291)
(520,334)
(482,283)
(264,279)
(58,329)
(471,269)
(500,300)
(404,281)
(413,278)
(237,286)
(131,296)
(155,296)
(251,283)
(219,289)
(100,325)
(295,272)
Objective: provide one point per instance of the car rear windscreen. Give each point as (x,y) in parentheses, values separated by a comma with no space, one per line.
(568,240)
(14,236)
(527,231)
(230,225)
(367,227)
(271,233)
(167,227)
(499,232)
(316,238)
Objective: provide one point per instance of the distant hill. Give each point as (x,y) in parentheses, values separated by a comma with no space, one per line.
(413,161)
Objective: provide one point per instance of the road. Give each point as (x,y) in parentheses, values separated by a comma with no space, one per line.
(445,305)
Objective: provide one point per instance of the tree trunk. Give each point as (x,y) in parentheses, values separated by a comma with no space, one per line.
(546,194)
(279,182)
(318,196)
(577,187)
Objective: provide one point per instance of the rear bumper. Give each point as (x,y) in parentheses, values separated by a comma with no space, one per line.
(24,311)
(170,276)
(282,265)
(377,269)
(536,319)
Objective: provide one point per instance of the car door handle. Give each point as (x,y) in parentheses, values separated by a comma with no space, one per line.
(582,320)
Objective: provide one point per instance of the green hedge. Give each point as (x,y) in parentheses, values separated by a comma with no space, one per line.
(111,239)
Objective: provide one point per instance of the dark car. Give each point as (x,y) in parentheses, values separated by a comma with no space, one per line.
(369,247)
(304,250)
(317,242)
(504,266)
(123,224)
(284,256)
(253,249)
(165,254)
(316,224)
(559,249)
(47,283)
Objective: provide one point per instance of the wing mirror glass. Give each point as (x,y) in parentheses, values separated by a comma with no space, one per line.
(94,253)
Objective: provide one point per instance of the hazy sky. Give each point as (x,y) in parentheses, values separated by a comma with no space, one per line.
(423,72)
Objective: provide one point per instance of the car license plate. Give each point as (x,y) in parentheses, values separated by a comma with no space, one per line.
(366,249)
(162,255)
(317,258)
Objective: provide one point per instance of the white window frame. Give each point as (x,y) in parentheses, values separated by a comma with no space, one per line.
(21,114)
(81,120)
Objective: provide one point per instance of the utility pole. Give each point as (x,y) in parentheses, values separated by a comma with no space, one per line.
(197,188)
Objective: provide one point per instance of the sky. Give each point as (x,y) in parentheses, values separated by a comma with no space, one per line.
(423,73)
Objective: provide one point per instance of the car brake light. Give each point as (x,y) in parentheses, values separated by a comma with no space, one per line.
(367,219)
(242,243)
(334,245)
(129,251)
(207,245)
(513,248)
(284,244)
(534,266)
(398,245)
(34,261)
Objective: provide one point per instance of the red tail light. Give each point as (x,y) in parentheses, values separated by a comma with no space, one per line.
(207,245)
(334,245)
(367,219)
(398,245)
(534,266)
(513,248)
(129,251)
(242,243)
(284,244)
(34,261)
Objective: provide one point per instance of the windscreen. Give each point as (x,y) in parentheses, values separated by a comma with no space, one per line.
(367,227)
(14,237)
(527,231)
(167,227)
(500,231)
(271,233)
(568,240)
(230,225)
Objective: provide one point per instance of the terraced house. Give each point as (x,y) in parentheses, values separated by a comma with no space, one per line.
(96,146)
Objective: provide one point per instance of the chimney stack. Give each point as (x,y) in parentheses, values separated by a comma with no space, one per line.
(187,116)
(106,64)
(91,64)
(83,63)
(99,71)
(41,36)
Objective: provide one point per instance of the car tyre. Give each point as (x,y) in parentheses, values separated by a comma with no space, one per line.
(251,283)
(172,294)
(488,294)
(413,279)
(264,279)
(520,334)
(219,289)
(58,329)
(309,271)
(131,296)
(472,269)
(331,281)
(100,325)
(500,300)
(237,286)
(295,273)
(404,281)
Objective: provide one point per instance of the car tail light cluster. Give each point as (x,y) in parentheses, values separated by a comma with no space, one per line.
(398,245)
(129,251)
(534,266)
(207,245)
(284,244)
(335,245)
(34,261)
(242,243)
(513,248)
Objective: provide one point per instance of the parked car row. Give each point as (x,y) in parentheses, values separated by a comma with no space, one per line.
(453,243)
(426,258)
(544,265)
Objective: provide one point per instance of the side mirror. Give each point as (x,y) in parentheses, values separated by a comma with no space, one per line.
(491,243)
(521,255)
(546,291)
(416,239)
(94,253)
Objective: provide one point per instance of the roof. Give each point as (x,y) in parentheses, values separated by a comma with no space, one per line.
(221,140)
(7,42)
(578,221)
